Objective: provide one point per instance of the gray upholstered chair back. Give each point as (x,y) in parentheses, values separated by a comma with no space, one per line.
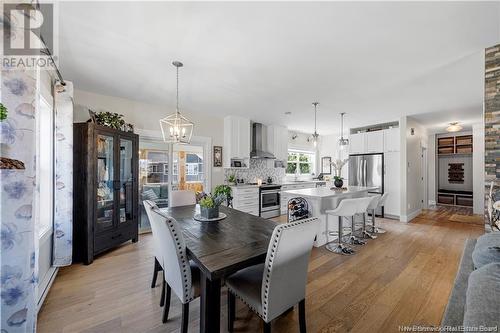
(285,271)
(148,206)
(173,248)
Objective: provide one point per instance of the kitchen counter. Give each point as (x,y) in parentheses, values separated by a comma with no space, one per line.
(291,182)
(323,192)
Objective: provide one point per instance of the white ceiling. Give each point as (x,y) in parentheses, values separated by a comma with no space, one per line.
(375,61)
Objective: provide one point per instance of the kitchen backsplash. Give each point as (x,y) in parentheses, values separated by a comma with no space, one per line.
(259,168)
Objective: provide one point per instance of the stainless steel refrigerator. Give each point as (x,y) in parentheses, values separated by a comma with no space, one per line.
(367,170)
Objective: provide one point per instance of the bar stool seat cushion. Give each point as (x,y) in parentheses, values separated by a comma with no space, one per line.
(246,284)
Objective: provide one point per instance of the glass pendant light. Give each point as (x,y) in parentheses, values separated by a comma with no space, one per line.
(315,135)
(343,142)
(175,127)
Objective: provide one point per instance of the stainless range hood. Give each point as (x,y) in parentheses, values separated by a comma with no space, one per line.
(259,142)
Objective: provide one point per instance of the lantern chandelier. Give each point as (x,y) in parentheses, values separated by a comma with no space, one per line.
(175,127)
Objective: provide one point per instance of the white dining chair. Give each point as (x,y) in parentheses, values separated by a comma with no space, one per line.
(182,276)
(272,288)
(182,198)
(158,263)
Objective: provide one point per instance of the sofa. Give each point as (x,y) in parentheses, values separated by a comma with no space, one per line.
(475,298)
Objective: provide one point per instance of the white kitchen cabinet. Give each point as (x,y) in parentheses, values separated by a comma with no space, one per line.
(246,199)
(357,143)
(392,140)
(374,142)
(392,182)
(236,140)
(277,141)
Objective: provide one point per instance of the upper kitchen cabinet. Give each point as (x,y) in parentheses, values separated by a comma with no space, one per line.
(392,140)
(357,143)
(236,142)
(374,142)
(277,141)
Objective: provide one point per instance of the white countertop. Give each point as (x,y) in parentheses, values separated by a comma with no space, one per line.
(324,192)
(291,182)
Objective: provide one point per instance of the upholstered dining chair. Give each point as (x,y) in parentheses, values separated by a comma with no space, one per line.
(178,198)
(148,205)
(272,288)
(182,198)
(182,276)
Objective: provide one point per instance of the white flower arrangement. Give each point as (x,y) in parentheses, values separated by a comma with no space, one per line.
(337,165)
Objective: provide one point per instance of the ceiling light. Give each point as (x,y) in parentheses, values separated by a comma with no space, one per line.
(175,127)
(454,127)
(343,143)
(315,135)
(288,113)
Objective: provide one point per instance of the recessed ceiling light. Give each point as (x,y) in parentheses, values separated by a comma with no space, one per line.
(454,127)
(288,113)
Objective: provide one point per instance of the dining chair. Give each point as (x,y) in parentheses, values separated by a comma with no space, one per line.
(182,198)
(272,288)
(182,276)
(148,206)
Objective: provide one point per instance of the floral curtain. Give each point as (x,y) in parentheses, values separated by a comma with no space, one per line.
(19,237)
(63,187)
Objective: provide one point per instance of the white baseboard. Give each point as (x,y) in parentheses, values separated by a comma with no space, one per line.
(53,273)
(411,216)
(432,202)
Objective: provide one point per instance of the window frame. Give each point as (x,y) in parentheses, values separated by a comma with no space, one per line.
(312,162)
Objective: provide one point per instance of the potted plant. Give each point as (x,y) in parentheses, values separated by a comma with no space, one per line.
(338,164)
(225,190)
(231,179)
(209,205)
(5,162)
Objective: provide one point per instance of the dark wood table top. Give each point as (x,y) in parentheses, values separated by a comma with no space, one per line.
(226,246)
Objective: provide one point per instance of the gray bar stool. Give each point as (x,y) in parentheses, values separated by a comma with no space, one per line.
(379,202)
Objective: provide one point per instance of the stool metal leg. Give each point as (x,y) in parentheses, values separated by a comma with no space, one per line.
(373,227)
(353,240)
(365,234)
(339,248)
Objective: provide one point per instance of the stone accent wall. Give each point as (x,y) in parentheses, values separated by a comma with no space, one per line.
(491,119)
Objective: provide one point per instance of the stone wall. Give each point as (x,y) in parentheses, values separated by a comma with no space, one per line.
(491,118)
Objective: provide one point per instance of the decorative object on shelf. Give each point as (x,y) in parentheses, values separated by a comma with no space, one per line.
(217,156)
(454,127)
(298,209)
(326,165)
(343,142)
(109,119)
(456,173)
(226,191)
(315,135)
(175,127)
(209,205)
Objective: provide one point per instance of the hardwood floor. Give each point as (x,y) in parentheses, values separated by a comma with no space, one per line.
(403,277)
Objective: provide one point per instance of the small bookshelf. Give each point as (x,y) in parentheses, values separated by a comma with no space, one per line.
(452,145)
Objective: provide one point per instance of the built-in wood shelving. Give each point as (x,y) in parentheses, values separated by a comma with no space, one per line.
(454,145)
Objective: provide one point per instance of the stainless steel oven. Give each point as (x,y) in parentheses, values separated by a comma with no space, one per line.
(270,201)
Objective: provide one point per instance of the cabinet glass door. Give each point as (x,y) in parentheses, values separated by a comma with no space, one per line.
(105,177)
(126,184)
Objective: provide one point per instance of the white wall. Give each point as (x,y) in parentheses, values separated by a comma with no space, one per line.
(478,167)
(329,147)
(146,116)
(412,190)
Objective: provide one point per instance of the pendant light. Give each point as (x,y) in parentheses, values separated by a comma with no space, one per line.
(175,127)
(454,127)
(343,143)
(315,135)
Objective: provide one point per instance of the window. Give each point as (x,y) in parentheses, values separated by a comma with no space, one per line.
(45,167)
(300,162)
(194,167)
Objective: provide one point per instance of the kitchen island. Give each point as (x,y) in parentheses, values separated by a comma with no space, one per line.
(321,199)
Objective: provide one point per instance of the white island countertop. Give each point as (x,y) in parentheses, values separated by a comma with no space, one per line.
(324,192)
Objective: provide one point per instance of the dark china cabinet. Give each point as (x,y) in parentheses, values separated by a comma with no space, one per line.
(105,193)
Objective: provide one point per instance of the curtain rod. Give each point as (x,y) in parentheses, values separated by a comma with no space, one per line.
(47,52)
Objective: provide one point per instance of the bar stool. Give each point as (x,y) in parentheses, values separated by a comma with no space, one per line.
(361,208)
(374,205)
(346,208)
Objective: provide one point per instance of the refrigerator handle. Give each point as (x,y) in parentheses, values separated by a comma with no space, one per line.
(364,173)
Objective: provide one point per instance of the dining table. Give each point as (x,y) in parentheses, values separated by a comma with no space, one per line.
(219,249)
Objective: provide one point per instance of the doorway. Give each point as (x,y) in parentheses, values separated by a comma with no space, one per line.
(425,179)
(189,168)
